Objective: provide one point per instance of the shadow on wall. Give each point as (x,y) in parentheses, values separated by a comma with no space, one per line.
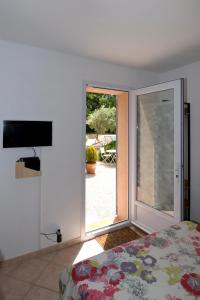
(1,260)
(1,256)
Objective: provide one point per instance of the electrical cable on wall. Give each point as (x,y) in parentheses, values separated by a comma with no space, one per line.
(34,151)
(46,235)
(57,233)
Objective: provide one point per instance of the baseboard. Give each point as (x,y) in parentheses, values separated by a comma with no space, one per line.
(43,251)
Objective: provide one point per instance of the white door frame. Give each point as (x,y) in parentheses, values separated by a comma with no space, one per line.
(177,85)
(85,236)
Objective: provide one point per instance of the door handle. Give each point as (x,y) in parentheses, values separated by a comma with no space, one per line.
(177,171)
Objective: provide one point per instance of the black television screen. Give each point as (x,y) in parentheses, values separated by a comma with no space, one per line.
(27,133)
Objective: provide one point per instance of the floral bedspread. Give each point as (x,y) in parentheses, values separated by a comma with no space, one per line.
(164,266)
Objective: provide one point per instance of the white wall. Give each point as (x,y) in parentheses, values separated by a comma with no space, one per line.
(192,74)
(44,85)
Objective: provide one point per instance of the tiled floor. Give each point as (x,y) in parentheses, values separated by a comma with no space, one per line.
(37,278)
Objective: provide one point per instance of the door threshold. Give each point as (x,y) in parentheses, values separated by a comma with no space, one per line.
(103,223)
(107,229)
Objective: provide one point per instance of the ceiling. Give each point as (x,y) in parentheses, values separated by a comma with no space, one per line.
(156,35)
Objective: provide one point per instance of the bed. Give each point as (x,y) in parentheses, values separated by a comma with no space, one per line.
(164,265)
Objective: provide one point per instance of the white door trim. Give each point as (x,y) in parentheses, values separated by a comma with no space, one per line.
(85,236)
(177,85)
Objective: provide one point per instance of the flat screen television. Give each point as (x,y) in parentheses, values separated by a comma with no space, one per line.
(27,133)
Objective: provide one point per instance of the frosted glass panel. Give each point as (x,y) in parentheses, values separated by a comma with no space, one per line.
(155,152)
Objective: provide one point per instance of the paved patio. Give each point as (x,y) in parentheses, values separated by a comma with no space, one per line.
(101,196)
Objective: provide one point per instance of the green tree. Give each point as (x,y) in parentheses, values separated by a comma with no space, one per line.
(95,101)
(103,120)
(107,100)
(92,102)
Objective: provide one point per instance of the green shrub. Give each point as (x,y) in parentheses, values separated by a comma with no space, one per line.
(110,146)
(91,154)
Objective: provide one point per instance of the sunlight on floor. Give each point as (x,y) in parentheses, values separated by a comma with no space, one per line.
(88,249)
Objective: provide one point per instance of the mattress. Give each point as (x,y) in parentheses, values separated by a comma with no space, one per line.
(163,265)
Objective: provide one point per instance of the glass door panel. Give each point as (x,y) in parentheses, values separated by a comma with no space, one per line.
(155,150)
(158,168)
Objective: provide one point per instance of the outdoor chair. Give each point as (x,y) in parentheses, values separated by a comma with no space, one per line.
(105,156)
(114,158)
